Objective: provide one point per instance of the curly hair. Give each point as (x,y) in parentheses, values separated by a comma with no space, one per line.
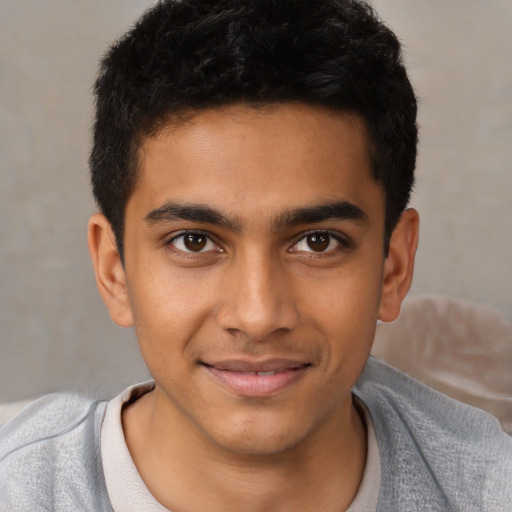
(188,55)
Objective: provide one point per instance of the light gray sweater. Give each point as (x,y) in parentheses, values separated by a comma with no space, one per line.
(436,454)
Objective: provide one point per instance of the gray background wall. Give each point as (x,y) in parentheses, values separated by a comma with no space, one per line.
(55,333)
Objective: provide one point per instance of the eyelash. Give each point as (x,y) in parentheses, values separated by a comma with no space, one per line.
(171,242)
(344,242)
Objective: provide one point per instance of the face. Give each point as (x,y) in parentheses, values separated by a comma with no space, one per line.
(253,264)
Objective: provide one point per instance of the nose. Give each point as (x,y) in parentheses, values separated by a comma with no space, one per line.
(258,299)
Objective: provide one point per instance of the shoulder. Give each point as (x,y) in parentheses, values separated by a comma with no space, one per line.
(47,423)
(436,453)
(50,455)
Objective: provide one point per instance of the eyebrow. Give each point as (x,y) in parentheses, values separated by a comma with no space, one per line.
(334,210)
(169,212)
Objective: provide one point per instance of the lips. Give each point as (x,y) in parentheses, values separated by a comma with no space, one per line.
(256,378)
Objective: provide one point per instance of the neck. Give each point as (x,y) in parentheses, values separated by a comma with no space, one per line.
(323,472)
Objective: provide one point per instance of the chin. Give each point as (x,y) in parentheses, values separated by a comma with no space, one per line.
(259,438)
(256,446)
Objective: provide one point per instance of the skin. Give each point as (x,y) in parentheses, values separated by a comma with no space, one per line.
(269,272)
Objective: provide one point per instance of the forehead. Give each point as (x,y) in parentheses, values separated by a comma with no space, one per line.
(256,161)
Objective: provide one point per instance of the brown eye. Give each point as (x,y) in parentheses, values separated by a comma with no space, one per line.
(318,242)
(195,242)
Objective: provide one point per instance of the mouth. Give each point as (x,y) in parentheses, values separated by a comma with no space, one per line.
(257,379)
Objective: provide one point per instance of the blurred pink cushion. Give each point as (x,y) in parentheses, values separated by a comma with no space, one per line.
(458,347)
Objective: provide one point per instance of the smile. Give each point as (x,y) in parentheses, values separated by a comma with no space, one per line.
(257,379)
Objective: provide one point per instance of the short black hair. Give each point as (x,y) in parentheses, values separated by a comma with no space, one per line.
(189,55)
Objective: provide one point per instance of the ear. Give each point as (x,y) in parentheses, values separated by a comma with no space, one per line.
(399,265)
(110,275)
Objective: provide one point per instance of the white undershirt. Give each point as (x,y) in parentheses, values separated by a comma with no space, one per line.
(128,493)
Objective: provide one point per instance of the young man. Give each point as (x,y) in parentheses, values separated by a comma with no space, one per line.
(253,162)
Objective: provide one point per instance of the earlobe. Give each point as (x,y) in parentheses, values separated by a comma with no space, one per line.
(109,271)
(399,265)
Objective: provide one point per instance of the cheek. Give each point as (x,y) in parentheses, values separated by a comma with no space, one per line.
(169,307)
(347,300)
(345,310)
